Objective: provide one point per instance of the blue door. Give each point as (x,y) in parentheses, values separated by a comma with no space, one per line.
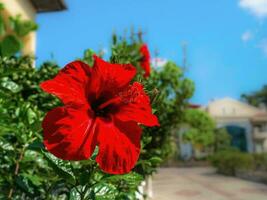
(238,135)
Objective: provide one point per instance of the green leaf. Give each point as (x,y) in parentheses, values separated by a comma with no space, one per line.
(22,27)
(23,184)
(88,57)
(31,116)
(2,6)
(84,177)
(95,153)
(8,84)
(36,146)
(10,45)
(35,179)
(2,25)
(63,168)
(6,146)
(105,191)
(74,194)
(124,182)
(130,177)
(155,160)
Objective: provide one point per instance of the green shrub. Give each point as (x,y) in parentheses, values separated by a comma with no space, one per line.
(222,139)
(12,42)
(260,161)
(229,161)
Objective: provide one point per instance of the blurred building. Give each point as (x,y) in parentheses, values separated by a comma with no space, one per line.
(245,123)
(28,9)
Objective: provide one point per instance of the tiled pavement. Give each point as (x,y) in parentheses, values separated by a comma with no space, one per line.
(203,184)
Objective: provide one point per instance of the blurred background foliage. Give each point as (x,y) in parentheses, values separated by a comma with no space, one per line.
(257,98)
(200,128)
(12,32)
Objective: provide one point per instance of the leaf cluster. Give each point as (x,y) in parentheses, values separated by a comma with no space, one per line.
(12,33)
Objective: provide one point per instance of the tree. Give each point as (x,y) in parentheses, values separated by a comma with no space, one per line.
(200,129)
(169,91)
(222,139)
(12,43)
(174,93)
(256,98)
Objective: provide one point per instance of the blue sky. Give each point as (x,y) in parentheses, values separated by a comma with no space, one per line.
(227,40)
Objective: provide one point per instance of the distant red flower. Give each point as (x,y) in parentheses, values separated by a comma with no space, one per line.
(145,61)
(100,108)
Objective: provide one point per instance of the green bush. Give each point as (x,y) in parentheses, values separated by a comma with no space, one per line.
(222,139)
(12,43)
(229,161)
(260,161)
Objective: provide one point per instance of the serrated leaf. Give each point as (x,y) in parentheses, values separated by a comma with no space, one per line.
(63,168)
(132,176)
(105,191)
(130,180)
(74,194)
(10,85)
(6,146)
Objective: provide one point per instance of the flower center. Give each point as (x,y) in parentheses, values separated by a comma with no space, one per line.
(99,112)
(103,107)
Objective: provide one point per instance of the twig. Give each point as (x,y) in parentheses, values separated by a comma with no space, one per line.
(16,171)
(17,165)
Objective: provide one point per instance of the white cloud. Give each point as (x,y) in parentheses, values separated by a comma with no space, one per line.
(255,7)
(158,62)
(104,50)
(246,36)
(263,46)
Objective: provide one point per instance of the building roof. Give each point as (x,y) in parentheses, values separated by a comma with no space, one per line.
(230,108)
(260,117)
(48,5)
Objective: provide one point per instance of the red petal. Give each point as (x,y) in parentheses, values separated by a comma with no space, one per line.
(135,106)
(70,84)
(109,78)
(145,63)
(119,145)
(69,134)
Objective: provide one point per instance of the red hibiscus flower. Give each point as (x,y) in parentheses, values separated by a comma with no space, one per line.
(145,61)
(101,109)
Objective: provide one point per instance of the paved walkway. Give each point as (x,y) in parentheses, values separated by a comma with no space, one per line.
(203,184)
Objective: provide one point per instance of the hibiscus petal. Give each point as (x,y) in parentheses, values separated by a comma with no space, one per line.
(109,78)
(69,134)
(70,84)
(119,145)
(135,106)
(145,63)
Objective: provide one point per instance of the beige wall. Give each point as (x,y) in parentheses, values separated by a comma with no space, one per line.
(228,107)
(230,110)
(26,10)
